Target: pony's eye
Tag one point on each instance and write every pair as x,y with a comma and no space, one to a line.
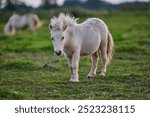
52,38
62,38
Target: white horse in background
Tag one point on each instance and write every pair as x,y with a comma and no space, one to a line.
75,40
17,22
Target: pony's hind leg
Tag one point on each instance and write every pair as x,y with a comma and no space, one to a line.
94,58
103,49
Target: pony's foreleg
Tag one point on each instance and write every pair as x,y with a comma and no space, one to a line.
103,49
94,58
70,64
74,67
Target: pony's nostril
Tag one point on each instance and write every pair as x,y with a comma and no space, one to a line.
58,52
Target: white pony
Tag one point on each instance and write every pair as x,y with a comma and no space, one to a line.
75,40
17,22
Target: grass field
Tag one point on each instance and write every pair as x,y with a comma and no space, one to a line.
30,70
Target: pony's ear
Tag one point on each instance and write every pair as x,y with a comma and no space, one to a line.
53,20
54,23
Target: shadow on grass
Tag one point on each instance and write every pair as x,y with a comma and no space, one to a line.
19,65
3,37
27,66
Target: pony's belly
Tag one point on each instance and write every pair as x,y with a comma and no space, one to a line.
85,53
88,50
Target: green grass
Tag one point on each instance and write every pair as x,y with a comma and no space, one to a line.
30,70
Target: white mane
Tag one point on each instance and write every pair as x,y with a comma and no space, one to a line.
63,21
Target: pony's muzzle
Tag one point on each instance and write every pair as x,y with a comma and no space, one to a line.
58,53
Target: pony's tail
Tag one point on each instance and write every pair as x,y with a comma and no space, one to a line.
110,46
37,22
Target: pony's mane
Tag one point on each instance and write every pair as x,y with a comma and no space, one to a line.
67,19
63,20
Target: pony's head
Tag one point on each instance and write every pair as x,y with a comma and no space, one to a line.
9,30
13,16
57,27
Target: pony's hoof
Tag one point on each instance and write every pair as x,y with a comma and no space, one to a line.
74,80
89,77
102,74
